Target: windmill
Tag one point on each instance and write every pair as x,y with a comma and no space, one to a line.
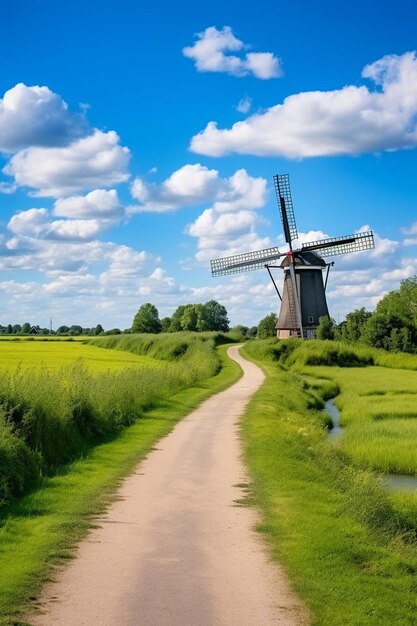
303,299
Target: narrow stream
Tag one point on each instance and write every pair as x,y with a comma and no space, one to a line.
394,482
334,413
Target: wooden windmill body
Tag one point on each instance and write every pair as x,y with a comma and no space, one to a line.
303,299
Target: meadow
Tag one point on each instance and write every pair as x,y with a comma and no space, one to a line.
53,354
347,541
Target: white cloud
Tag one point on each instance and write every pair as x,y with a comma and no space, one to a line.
99,203
221,234
36,116
215,225
410,241
85,283
97,160
211,54
7,188
244,105
351,120
195,184
30,222
410,230
35,223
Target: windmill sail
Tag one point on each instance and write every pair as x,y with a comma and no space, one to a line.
283,191
341,245
244,262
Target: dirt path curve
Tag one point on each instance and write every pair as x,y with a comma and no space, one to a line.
173,550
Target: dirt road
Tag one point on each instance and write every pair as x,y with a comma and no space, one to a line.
174,549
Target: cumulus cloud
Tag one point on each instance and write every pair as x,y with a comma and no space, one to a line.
97,160
211,53
351,120
85,283
229,225
99,203
35,223
36,116
195,184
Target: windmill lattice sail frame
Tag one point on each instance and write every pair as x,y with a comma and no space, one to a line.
244,262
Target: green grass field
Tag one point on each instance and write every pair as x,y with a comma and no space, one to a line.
54,354
347,542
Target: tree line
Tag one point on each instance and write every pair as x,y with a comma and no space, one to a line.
188,317
392,326
75,329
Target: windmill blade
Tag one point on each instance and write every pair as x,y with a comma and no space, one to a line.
341,245
283,191
244,262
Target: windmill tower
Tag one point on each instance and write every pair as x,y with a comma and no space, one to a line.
303,299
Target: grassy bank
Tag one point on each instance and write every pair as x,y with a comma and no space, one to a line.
348,545
41,528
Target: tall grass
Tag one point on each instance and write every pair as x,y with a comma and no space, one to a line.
48,418
300,353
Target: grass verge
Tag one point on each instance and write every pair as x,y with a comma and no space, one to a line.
334,528
40,530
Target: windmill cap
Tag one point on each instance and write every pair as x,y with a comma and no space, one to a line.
304,258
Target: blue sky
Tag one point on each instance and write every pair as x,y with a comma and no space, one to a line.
136,143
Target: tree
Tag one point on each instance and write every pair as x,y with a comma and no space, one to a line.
266,327
402,303
9,329
75,329
16,329
26,327
175,325
147,320
252,332
389,332
191,317
98,329
240,332
166,324
214,317
62,330
355,321
325,329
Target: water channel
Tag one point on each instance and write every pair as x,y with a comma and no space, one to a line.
393,482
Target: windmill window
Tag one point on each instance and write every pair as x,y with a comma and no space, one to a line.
310,319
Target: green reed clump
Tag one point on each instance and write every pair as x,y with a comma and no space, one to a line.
165,346
19,465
